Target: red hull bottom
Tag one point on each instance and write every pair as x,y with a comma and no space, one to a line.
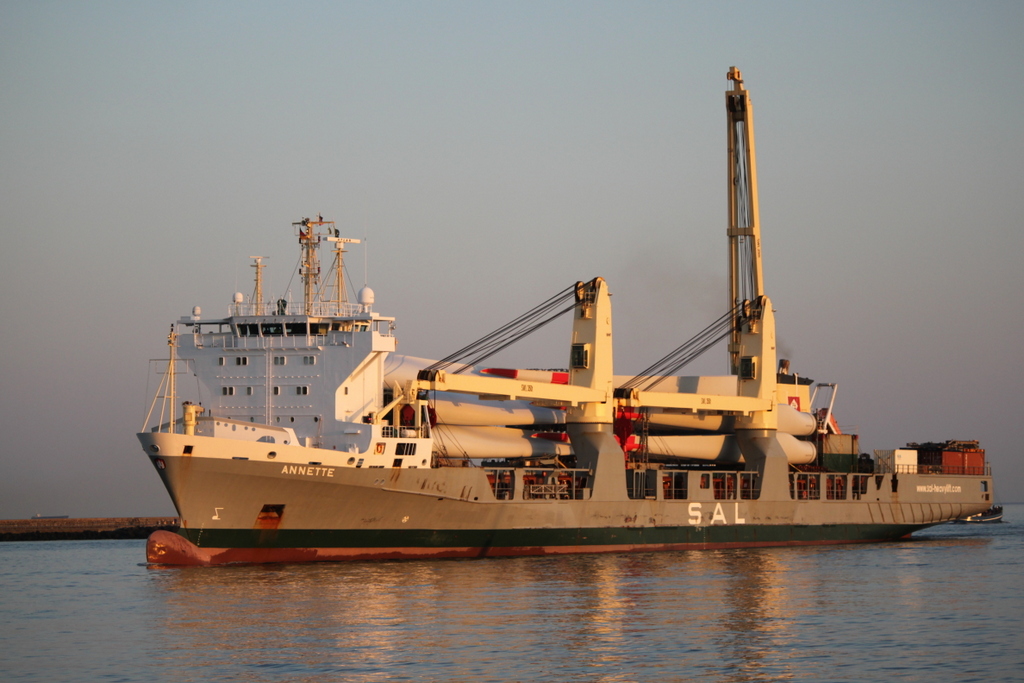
167,548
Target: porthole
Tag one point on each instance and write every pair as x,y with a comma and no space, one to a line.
351,461
271,455
153,447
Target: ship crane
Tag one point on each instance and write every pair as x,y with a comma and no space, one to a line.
752,347
746,279
590,397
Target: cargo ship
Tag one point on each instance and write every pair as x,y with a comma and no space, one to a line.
302,436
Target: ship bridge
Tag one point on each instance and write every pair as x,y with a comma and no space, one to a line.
248,327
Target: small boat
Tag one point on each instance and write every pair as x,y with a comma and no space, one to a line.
993,514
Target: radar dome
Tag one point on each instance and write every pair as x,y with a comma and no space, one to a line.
196,312
238,298
365,296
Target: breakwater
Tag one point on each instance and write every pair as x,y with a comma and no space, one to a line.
83,528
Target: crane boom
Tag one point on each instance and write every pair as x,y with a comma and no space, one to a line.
746,281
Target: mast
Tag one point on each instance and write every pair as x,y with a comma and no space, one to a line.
310,263
172,344
746,281
257,297
310,239
340,296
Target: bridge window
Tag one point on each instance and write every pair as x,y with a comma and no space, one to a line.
280,360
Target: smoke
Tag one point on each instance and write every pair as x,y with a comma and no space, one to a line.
660,300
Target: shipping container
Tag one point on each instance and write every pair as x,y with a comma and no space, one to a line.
953,462
840,443
898,460
905,460
840,462
975,461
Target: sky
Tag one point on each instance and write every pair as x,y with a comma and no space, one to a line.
491,154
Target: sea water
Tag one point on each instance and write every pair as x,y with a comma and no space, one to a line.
947,605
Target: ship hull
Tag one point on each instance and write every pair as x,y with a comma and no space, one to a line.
241,546
236,510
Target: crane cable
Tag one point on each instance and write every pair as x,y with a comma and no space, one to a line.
511,332
670,364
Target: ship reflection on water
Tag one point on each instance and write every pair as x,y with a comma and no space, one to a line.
732,615
86,610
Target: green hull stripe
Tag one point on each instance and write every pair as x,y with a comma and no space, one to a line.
529,538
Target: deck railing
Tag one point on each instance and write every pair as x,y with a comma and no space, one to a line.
977,471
